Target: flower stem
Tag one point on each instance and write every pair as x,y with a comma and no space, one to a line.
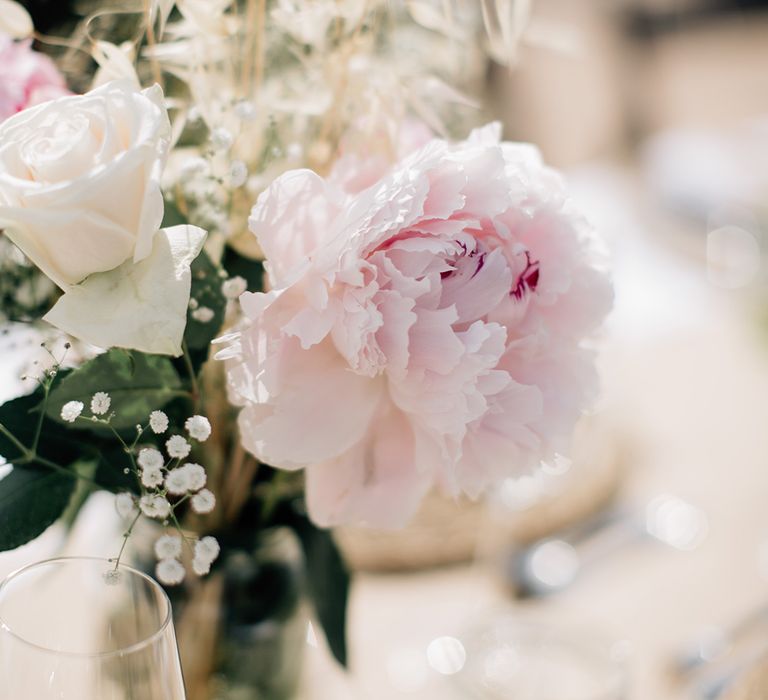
39,428
196,393
25,451
126,535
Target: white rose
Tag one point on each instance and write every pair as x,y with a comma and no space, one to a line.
79,179
80,195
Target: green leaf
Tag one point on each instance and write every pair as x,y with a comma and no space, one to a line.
20,417
137,384
172,216
30,501
206,292
110,471
252,271
327,584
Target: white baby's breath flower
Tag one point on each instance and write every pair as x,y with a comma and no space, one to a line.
154,506
203,314
158,421
71,411
234,287
125,505
222,139
168,547
196,476
193,303
177,482
207,548
203,502
294,151
177,447
198,428
238,173
246,111
150,459
151,478
100,403
201,566
194,166
170,572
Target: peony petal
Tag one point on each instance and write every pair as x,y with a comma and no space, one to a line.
291,219
375,483
478,285
432,341
141,306
317,409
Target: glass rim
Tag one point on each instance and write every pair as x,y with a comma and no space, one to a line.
123,651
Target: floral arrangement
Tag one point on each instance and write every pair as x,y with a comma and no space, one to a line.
289,296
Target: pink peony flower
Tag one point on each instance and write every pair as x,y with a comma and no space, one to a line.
27,77
427,330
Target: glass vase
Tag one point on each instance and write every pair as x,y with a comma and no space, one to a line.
242,630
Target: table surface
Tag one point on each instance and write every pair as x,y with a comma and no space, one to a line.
685,371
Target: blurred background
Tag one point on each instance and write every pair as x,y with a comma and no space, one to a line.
637,566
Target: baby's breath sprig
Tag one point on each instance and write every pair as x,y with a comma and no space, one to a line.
165,483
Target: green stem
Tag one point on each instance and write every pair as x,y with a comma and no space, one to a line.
25,451
63,470
41,417
189,541
196,393
126,535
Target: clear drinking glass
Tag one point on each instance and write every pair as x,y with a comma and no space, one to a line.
73,629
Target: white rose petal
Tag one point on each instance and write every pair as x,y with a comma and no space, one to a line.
203,502
100,403
196,475
207,548
177,482
150,458
170,572
158,421
177,447
198,428
87,167
140,306
155,506
71,411
125,505
168,547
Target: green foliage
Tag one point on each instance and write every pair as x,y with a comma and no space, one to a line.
110,471
172,216
327,584
20,417
206,292
33,496
136,382
31,499
252,271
